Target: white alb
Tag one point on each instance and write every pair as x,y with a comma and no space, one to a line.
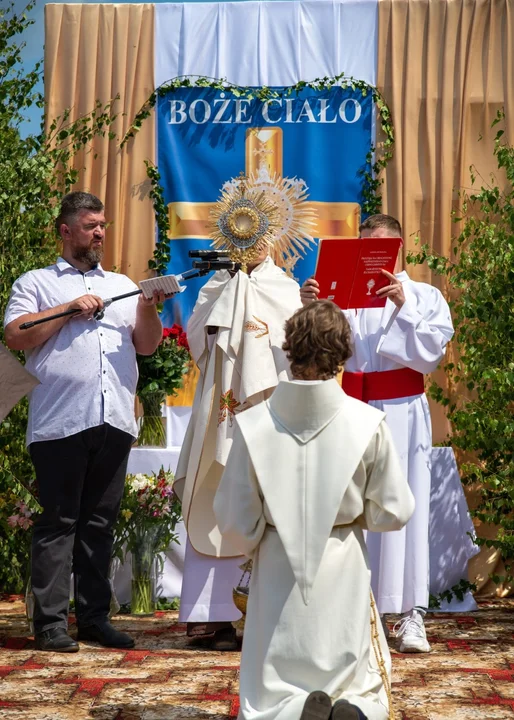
308,470
389,338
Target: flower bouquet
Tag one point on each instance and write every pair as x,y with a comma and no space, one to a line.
18,509
161,374
21,517
149,513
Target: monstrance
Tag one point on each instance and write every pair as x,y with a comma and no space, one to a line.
260,211
244,222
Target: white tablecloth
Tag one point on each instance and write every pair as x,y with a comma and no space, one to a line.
450,524
451,546
177,418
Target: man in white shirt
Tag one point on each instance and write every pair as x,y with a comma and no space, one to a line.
81,419
393,347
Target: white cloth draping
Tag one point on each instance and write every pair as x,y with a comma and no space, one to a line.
177,420
207,588
270,43
451,531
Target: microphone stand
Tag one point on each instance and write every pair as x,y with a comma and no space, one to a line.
98,315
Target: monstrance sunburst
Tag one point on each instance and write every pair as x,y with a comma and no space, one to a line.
294,221
245,220
297,219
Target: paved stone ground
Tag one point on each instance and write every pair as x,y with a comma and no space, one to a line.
468,676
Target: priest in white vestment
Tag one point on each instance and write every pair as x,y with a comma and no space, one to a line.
392,349
308,470
235,335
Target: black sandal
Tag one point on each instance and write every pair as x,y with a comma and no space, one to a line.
318,706
343,710
225,640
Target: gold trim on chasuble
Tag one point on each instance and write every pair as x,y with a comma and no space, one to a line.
228,407
193,488
260,328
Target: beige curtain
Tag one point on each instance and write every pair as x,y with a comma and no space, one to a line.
445,67
94,52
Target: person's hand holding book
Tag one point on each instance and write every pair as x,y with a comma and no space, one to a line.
309,291
393,291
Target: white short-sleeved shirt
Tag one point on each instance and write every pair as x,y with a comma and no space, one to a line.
87,370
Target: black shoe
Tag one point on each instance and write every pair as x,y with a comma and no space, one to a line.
56,640
225,639
343,710
318,706
103,632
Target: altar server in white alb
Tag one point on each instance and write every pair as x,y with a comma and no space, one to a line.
308,470
393,347
235,334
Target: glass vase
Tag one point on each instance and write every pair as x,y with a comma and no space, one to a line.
152,431
144,559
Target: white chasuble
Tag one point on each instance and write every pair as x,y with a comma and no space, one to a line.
243,367
308,470
241,362
389,338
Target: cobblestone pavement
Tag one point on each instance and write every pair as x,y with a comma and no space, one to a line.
469,675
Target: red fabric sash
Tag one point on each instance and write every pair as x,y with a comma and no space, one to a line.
386,385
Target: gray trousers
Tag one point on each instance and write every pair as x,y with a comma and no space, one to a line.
80,481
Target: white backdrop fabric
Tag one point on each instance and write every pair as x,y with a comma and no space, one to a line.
266,43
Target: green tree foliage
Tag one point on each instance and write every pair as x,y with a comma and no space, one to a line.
34,174
481,406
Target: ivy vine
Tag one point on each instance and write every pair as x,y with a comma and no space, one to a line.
162,252
376,159
457,591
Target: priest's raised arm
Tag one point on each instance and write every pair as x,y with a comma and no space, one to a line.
417,333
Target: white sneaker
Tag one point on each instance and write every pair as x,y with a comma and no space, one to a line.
410,630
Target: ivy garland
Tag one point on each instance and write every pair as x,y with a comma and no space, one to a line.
457,591
377,160
162,253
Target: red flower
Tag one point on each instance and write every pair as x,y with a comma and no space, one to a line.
182,340
171,332
176,332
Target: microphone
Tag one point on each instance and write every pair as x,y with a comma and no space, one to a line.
216,265
208,254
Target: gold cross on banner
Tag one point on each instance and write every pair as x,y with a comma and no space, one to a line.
263,146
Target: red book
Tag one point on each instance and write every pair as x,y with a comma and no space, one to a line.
349,270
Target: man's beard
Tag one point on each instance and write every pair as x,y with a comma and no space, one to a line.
88,255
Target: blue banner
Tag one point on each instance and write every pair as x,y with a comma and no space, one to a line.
319,139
